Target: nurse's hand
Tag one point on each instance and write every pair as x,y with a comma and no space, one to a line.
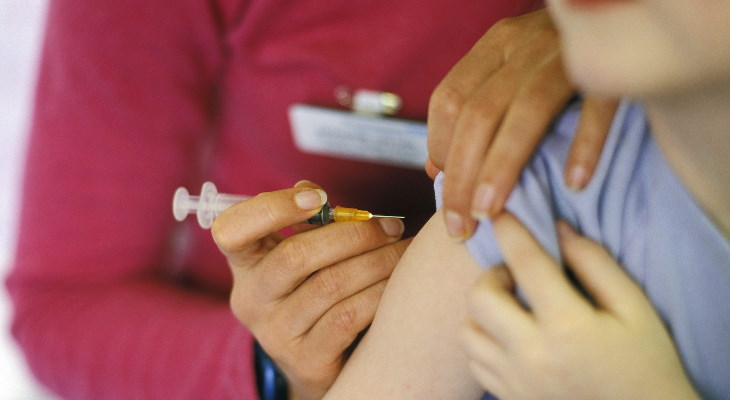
489,113
565,346
307,297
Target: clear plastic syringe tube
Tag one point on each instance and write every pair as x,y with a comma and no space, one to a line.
210,204
206,207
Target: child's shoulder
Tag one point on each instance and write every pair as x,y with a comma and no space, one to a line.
617,189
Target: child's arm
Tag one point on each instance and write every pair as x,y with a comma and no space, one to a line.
412,349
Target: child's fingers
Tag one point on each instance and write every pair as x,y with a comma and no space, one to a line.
480,345
537,275
489,380
486,357
604,280
494,307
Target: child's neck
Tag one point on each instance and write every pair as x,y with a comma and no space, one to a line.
693,132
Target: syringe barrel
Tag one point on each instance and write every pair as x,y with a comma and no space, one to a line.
223,201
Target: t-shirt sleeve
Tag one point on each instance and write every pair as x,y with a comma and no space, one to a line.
532,202
537,216
540,197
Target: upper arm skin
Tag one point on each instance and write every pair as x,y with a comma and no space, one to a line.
412,348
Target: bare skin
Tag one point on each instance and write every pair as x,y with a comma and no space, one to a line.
684,83
330,303
412,351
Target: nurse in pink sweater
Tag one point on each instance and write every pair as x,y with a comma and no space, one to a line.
113,298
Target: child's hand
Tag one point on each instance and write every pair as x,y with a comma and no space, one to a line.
564,346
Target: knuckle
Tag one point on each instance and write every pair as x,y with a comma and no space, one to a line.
282,263
330,282
506,33
476,108
532,27
358,235
382,261
291,254
505,27
479,115
541,97
446,100
547,33
346,317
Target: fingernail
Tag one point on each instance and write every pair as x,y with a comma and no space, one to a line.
391,226
310,199
455,226
483,200
303,182
576,178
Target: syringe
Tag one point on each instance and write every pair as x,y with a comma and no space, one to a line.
337,214
210,204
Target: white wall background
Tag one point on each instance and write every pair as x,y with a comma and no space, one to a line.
21,27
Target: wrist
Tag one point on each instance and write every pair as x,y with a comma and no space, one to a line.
269,380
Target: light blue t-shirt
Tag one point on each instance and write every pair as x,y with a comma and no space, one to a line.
639,210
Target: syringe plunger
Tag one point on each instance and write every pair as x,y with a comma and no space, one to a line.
207,206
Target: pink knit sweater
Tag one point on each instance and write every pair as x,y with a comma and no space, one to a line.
113,298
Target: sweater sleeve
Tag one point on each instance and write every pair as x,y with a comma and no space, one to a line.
125,101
